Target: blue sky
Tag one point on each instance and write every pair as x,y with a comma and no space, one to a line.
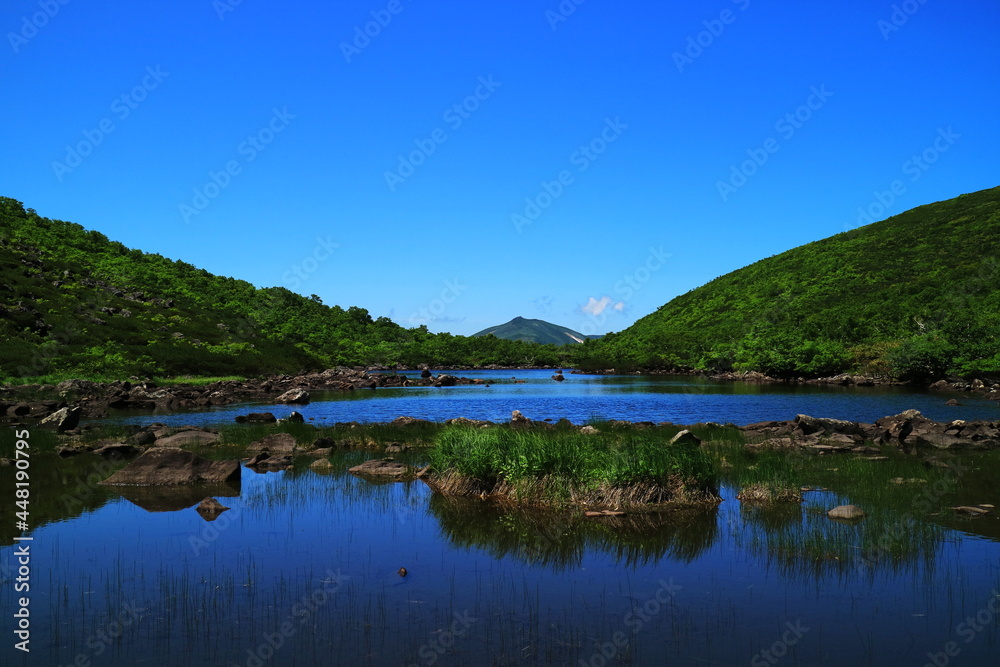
464,163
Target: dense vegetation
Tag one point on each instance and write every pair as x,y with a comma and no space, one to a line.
73,303
563,465
916,296
534,331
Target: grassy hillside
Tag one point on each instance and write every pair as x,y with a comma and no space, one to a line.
73,303
915,296
534,331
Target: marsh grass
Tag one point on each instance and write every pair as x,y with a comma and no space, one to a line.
563,467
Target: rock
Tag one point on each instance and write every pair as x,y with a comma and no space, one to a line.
258,459
807,425
445,381
382,468
295,418
117,452
324,443
558,377
277,443
971,511
849,512
426,374
294,396
588,430
67,452
169,466
210,509
188,439
908,480
395,448
321,465
952,402
912,430
685,437
462,421
63,420
410,421
257,418
141,439
517,419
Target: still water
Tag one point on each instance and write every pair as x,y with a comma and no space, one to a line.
304,569
677,399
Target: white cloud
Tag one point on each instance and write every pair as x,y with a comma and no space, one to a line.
595,307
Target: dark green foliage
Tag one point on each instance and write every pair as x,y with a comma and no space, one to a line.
915,296
73,303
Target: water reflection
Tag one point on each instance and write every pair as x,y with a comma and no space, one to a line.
560,540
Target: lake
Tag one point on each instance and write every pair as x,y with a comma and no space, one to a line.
304,569
678,399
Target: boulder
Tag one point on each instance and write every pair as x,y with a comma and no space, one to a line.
277,443
382,468
848,512
588,430
445,381
685,437
141,439
807,425
911,430
63,420
188,439
171,466
117,452
295,418
409,421
294,397
518,419
952,402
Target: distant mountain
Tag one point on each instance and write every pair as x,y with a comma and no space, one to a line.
535,331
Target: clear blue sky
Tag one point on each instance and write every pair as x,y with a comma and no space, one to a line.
309,118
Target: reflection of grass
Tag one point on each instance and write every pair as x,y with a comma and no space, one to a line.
898,526
618,469
560,539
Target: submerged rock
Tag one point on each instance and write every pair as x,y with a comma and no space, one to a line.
210,509
849,512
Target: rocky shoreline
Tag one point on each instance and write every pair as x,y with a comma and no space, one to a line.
979,388
94,399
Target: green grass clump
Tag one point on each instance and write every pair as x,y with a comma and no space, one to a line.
618,468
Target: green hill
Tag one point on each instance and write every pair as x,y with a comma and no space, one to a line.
916,296
74,303
534,331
